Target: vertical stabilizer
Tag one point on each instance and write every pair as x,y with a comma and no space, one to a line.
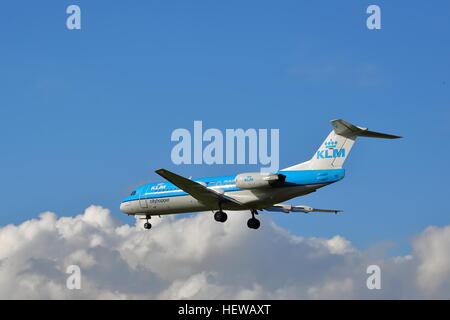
336,147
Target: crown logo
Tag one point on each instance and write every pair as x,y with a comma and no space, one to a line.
330,144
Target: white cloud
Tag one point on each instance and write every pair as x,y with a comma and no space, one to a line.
433,253
332,289
198,258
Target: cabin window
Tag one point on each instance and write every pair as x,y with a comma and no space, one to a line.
133,193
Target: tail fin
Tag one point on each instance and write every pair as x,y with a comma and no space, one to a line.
336,147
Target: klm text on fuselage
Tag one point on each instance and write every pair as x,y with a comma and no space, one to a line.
328,153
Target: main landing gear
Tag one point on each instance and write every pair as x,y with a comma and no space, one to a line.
253,223
220,216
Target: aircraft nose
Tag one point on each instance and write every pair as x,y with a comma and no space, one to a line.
125,207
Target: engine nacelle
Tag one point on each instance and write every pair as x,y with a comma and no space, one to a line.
254,180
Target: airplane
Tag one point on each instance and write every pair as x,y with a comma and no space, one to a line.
254,191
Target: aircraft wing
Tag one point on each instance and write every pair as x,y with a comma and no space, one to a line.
288,208
197,190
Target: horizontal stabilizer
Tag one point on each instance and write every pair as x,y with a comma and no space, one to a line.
305,209
346,129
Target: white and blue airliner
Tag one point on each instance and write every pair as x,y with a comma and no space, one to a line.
250,191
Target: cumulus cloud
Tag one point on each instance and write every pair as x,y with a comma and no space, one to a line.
432,251
198,258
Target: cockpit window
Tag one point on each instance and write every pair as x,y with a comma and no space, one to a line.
133,193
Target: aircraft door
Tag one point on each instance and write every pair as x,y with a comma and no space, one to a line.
142,200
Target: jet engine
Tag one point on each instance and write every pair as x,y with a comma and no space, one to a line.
255,180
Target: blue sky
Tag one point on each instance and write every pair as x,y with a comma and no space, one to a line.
86,115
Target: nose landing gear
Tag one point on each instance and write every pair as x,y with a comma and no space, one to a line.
147,225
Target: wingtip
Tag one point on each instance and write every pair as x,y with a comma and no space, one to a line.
391,136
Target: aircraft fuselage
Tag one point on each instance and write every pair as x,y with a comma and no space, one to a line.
165,198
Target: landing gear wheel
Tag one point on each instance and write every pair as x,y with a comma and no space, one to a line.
220,216
253,223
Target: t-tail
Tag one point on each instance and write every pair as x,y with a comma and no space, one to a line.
336,147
